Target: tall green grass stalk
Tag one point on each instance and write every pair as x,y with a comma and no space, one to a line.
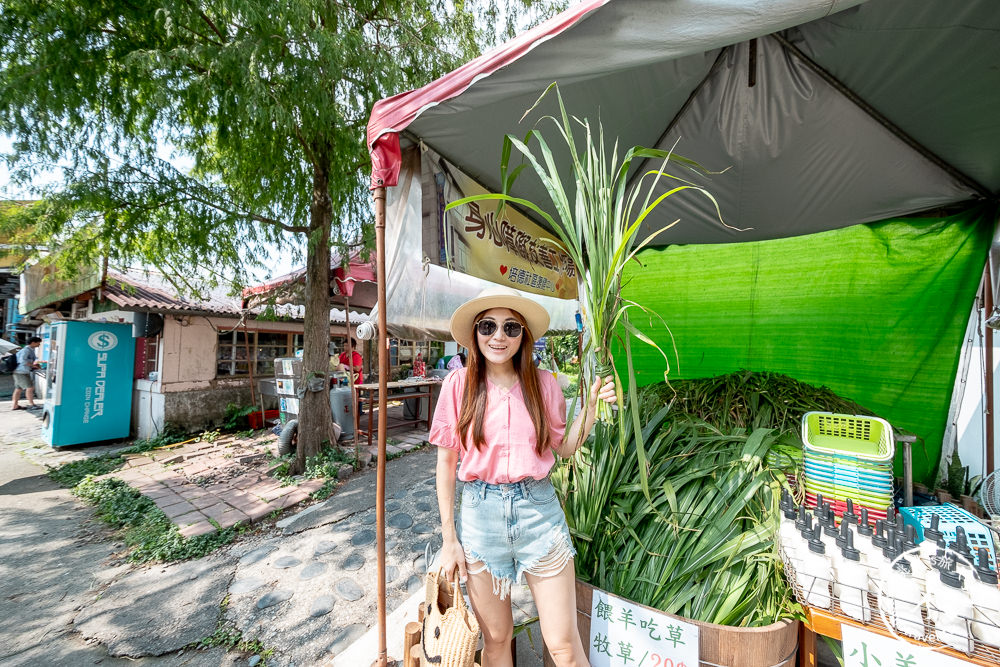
596,217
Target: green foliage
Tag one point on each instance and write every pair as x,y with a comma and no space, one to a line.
72,473
209,436
325,491
702,544
236,416
563,349
596,213
146,529
324,465
231,638
168,436
957,473
241,91
264,105
958,482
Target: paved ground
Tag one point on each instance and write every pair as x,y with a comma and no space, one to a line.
305,586
202,486
54,558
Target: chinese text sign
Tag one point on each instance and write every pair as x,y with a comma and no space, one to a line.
867,649
623,634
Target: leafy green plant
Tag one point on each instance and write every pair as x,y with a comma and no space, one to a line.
145,528
231,638
702,544
324,465
235,416
597,217
209,436
957,474
325,491
72,473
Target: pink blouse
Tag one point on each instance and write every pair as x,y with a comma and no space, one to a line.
509,452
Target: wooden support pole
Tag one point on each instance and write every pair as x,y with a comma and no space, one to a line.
383,378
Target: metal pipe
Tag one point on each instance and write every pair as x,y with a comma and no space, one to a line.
383,379
350,376
988,366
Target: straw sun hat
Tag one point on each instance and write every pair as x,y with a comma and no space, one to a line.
497,297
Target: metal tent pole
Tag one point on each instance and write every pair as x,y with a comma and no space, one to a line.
383,378
350,375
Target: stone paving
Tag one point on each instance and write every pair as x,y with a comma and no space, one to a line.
305,587
203,486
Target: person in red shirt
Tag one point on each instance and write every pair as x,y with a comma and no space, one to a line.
356,364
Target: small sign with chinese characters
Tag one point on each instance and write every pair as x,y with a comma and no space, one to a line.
867,649
624,634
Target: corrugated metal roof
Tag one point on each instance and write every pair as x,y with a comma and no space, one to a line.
150,291
135,292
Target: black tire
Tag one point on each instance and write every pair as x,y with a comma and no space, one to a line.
288,441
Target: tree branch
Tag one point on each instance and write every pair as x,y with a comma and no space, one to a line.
204,17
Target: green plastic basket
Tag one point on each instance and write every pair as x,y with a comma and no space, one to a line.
867,438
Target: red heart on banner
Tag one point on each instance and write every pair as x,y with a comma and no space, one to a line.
503,270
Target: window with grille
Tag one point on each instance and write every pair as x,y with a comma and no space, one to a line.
238,349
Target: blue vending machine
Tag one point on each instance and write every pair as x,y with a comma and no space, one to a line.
89,383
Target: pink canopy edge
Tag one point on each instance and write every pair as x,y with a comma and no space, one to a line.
357,271
394,114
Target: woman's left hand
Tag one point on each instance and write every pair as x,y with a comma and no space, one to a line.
603,389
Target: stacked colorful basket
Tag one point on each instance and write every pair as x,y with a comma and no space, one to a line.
848,456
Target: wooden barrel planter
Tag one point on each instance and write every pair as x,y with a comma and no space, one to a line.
773,645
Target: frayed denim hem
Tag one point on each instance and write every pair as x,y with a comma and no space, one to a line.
558,552
501,585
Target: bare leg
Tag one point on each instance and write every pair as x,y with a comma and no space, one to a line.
555,598
29,394
495,619
16,397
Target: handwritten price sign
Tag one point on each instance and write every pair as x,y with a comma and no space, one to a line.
623,634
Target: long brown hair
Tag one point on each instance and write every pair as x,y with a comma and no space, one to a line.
473,410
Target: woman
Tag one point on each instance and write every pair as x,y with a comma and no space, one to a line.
506,418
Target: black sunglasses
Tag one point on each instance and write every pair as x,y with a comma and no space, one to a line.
488,327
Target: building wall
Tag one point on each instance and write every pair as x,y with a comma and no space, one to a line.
187,393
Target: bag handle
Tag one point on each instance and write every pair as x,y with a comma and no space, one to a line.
456,594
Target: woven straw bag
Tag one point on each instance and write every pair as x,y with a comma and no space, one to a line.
451,632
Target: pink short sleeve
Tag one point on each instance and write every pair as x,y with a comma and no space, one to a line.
555,406
446,412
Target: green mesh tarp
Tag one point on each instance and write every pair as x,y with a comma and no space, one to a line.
875,312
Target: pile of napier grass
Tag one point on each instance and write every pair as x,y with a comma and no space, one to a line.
703,544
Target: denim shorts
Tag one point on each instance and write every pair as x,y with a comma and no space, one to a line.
512,529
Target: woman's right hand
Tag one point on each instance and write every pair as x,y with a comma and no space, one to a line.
452,556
